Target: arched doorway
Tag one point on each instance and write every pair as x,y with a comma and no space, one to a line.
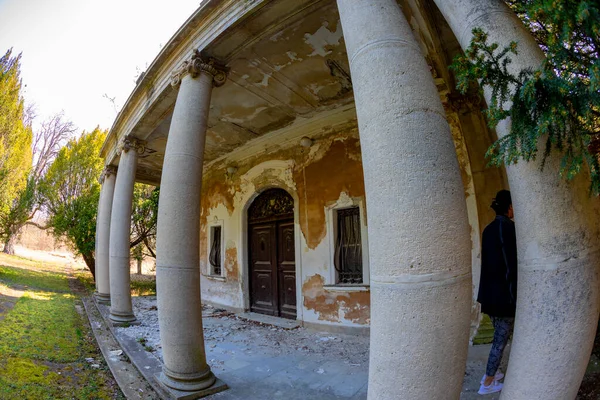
272,256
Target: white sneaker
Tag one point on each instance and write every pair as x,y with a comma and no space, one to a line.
498,377
494,387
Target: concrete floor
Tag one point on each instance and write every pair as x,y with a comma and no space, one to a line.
261,361
307,377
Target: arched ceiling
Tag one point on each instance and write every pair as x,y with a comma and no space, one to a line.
287,63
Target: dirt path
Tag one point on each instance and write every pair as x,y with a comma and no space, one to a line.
8,297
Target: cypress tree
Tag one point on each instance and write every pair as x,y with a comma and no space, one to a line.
15,136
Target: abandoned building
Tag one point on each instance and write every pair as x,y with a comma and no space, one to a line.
316,163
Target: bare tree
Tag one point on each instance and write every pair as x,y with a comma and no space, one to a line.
47,141
29,114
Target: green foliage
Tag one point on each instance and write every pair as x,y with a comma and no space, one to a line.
553,108
143,220
75,170
71,190
485,332
76,221
568,31
19,211
15,136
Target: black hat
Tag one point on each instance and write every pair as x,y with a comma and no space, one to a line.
502,202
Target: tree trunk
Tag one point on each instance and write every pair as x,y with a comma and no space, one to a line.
13,234
139,267
90,262
9,244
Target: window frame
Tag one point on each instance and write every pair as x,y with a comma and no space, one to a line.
210,237
343,203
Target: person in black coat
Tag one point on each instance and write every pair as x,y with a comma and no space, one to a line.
498,285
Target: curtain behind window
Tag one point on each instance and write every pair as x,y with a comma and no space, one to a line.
215,250
348,248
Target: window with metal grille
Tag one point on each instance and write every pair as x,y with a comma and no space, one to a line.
214,257
348,247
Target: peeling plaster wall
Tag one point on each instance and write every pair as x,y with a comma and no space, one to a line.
335,306
316,177
329,171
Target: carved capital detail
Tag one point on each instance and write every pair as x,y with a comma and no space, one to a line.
196,64
133,143
106,172
463,103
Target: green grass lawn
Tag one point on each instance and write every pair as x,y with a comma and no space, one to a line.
485,333
141,285
44,340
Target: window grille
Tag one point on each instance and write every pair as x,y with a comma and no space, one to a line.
215,250
348,247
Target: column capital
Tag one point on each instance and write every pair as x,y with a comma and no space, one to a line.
457,102
107,171
195,64
132,143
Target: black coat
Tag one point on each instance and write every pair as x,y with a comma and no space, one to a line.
498,285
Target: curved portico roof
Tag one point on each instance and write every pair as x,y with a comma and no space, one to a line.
287,64
153,98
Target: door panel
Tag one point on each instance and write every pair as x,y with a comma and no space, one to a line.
286,262
263,280
272,256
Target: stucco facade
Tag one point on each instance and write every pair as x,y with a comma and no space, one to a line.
319,178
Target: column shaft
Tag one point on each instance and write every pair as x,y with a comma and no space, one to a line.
96,267
120,226
178,238
557,239
103,237
419,244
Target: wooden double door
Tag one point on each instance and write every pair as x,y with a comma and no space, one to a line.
272,261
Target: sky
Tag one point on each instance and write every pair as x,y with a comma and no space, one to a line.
76,52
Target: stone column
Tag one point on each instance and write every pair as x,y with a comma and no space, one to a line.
419,244
178,231
120,230
557,239
103,234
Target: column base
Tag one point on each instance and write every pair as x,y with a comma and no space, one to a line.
189,393
123,318
102,298
187,382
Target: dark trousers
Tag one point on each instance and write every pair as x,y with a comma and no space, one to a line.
503,328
